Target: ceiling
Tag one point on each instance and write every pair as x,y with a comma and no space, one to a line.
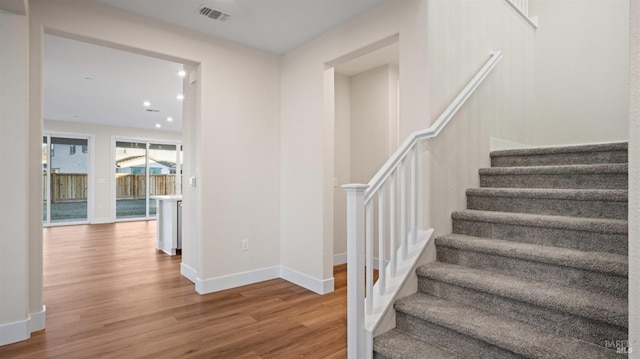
276,26
94,84
88,83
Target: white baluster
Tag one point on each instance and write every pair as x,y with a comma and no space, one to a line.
356,336
403,208
382,276
369,259
414,195
393,218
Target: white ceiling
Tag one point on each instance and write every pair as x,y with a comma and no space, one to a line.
88,83
94,84
273,25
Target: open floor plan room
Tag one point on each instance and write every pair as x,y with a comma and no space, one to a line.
110,294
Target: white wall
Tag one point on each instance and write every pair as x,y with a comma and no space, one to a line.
233,148
500,107
581,68
342,165
102,136
18,301
373,95
306,159
634,178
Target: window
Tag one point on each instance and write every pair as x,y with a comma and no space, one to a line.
65,180
144,169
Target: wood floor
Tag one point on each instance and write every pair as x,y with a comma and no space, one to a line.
109,294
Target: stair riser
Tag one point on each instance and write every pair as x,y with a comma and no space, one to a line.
545,318
464,345
549,273
560,159
559,181
563,207
586,241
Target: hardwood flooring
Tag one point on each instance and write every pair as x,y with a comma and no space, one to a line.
109,294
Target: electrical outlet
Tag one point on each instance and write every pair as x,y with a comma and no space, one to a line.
245,244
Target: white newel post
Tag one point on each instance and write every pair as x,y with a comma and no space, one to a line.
356,336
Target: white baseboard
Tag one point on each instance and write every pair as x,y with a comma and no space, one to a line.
101,220
38,320
21,330
236,280
14,332
340,258
189,273
313,284
212,285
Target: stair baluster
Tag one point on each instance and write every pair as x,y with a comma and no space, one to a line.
367,303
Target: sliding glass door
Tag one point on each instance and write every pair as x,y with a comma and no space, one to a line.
131,180
162,172
144,169
65,172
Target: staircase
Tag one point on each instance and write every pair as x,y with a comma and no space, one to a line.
536,267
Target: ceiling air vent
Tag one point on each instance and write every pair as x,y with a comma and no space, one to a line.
213,14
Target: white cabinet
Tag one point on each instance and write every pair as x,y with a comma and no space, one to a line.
169,224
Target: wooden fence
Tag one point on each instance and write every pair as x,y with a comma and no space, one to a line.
132,186
69,187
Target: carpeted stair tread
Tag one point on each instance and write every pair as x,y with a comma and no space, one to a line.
565,155
515,336
588,176
557,170
587,203
608,263
599,225
614,146
614,195
578,302
395,344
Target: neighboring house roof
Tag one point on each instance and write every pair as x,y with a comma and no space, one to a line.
134,160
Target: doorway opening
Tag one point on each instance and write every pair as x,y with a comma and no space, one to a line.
131,106
366,96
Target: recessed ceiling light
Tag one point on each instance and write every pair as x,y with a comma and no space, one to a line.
146,104
182,73
180,96
169,119
158,125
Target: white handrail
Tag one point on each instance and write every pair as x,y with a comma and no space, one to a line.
434,129
364,312
521,8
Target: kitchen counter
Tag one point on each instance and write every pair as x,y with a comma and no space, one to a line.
169,223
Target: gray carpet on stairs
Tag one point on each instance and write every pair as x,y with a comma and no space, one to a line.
536,267
548,156
598,176
591,203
